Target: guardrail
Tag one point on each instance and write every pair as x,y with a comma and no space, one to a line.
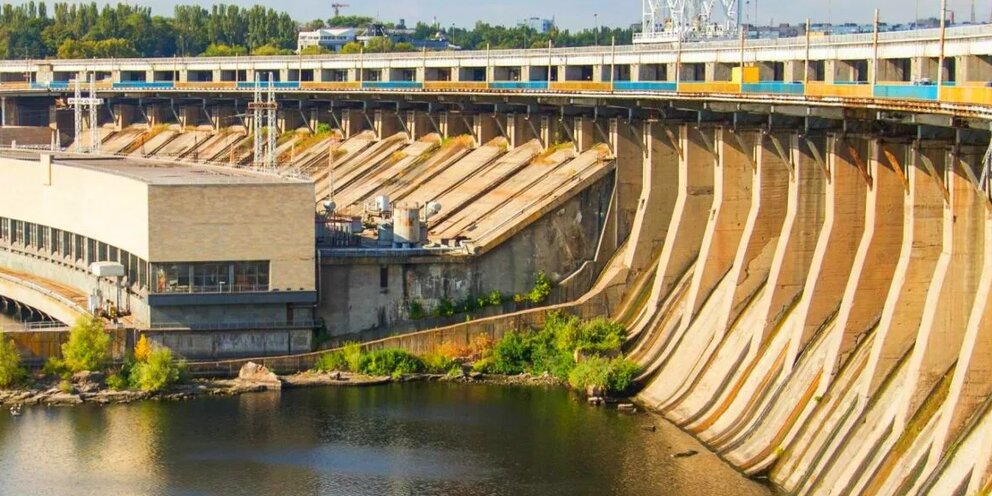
970,92
236,326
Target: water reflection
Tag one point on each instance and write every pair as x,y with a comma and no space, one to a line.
399,439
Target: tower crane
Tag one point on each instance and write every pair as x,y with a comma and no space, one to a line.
337,8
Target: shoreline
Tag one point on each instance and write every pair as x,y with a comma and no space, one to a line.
49,394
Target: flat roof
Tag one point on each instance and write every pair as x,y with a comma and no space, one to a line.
158,171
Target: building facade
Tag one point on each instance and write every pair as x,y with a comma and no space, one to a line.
203,248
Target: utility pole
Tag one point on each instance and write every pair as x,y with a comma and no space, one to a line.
270,157
94,116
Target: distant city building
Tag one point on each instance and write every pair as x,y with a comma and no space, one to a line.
330,38
542,26
401,34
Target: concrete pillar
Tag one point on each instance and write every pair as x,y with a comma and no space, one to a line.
731,208
716,71
222,116
124,115
794,71
659,185
158,114
753,261
952,291
353,121
629,152
421,124
519,130
9,114
924,67
972,68
800,230
455,124
485,128
874,263
585,133
972,381
894,70
183,75
386,123
840,235
692,208
190,115
922,226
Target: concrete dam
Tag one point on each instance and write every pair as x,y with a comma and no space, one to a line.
804,275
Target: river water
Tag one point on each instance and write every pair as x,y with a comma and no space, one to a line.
400,439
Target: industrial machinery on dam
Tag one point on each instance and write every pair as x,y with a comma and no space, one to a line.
797,234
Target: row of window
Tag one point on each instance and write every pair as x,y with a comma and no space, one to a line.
194,277
61,245
211,277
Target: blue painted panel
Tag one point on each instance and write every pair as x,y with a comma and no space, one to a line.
916,92
774,88
519,85
392,85
279,85
644,85
142,85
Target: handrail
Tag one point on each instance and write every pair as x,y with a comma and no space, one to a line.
240,325
41,289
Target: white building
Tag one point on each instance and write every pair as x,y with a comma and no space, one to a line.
537,24
330,38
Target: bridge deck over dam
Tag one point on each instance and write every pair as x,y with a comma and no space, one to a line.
801,254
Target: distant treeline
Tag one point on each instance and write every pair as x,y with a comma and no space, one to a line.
79,30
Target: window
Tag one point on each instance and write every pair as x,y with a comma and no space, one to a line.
210,277
384,277
4,229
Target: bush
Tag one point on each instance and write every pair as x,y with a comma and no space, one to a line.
330,362
55,366
598,335
614,376
541,290
494,298
157,373
353,356
142,349
621,376
592,372
65,386
87,345
511,355
10,363
436,363
391,362
117,381
415,310
444,308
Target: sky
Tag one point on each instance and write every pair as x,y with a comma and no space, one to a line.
573,14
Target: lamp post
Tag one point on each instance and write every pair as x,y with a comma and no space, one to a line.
595,21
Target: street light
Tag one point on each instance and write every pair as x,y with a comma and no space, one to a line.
595,18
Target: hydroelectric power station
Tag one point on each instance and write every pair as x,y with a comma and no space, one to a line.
797,233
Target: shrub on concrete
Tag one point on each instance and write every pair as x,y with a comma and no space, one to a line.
511,355
156,373
87,346
541,290
10,363
353,356
117,381
391,362
612,376
333,361
437,363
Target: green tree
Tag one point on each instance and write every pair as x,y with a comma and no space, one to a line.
88,345
10,362
266,50
315,50
222,50
112,48
351,48
156,373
